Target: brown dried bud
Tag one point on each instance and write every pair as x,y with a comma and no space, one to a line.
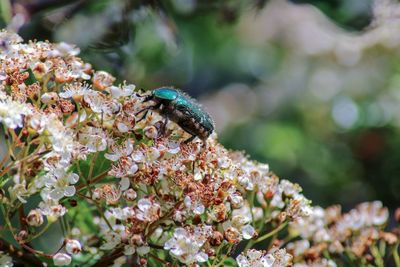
73,202
220,212
232,235
216,238
196,219
66,106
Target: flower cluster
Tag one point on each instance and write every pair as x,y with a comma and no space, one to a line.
74,138
126,188
256,258
328,232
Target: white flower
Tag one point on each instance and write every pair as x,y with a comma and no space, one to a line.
12,113
298,247
61,259
196,207
120,151
73,246
256,258
112,240
95,139
74,89
148,210
52,210
5,260
61,183
121,91
19,191
186,246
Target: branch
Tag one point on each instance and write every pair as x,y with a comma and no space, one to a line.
23,255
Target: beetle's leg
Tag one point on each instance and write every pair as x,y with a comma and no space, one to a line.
144,116
164,126
146,110
190,139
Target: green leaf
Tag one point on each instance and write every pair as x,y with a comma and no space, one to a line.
31,79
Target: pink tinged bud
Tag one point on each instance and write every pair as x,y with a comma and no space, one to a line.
151,132
73,246
35,218
61,259
130,194
49,98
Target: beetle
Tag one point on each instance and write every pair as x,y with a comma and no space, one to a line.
178,107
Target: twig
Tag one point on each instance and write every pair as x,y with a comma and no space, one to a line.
25,256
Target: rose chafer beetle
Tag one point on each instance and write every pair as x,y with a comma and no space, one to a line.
176,106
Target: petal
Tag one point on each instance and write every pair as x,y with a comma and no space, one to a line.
69,191
73,178
112,157
57,194
201,257
129,250
124,184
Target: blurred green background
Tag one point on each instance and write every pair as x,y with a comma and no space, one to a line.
310,87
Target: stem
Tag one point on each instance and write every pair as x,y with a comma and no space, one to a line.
95,179
25,256
158,259
396,255
251,202
106,260
276,230
378,258
267,235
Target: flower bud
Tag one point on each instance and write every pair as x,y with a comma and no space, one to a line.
232,235
22,236
216,238
130,194
150,132
61,259
49,98
35,218
73,246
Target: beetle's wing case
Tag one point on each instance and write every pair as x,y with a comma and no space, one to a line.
189,106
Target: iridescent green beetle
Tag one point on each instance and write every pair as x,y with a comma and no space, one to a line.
174,105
